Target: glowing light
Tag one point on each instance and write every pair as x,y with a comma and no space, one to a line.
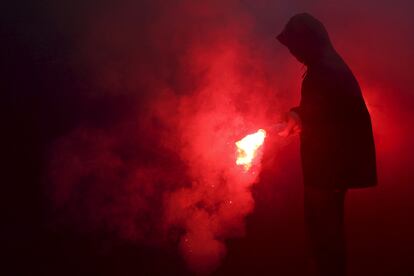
247,148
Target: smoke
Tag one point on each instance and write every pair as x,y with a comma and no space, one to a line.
164,89
164,171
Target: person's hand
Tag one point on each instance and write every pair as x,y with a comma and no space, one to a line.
293,126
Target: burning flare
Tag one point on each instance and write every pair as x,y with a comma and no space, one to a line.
247,148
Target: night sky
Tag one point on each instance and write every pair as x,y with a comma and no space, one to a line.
120,118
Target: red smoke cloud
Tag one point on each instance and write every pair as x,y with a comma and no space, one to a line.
167,171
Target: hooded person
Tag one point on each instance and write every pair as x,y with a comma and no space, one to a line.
336,140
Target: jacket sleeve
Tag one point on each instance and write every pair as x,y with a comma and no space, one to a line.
333,99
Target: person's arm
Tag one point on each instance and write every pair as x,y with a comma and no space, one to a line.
329,101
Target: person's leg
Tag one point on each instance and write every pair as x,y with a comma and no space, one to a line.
324,218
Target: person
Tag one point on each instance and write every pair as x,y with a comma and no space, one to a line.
336,140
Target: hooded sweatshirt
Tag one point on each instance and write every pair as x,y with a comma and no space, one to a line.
337,145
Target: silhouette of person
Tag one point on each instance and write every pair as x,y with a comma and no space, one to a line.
336,141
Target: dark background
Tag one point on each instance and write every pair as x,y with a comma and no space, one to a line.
46,86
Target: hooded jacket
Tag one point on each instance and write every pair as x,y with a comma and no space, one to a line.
337,145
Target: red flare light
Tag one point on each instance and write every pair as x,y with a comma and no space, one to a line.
247,148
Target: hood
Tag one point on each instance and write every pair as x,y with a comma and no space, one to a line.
306,38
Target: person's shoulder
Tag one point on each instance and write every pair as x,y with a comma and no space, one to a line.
332,65
332,69
334,72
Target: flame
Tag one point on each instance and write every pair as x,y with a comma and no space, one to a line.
247,148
